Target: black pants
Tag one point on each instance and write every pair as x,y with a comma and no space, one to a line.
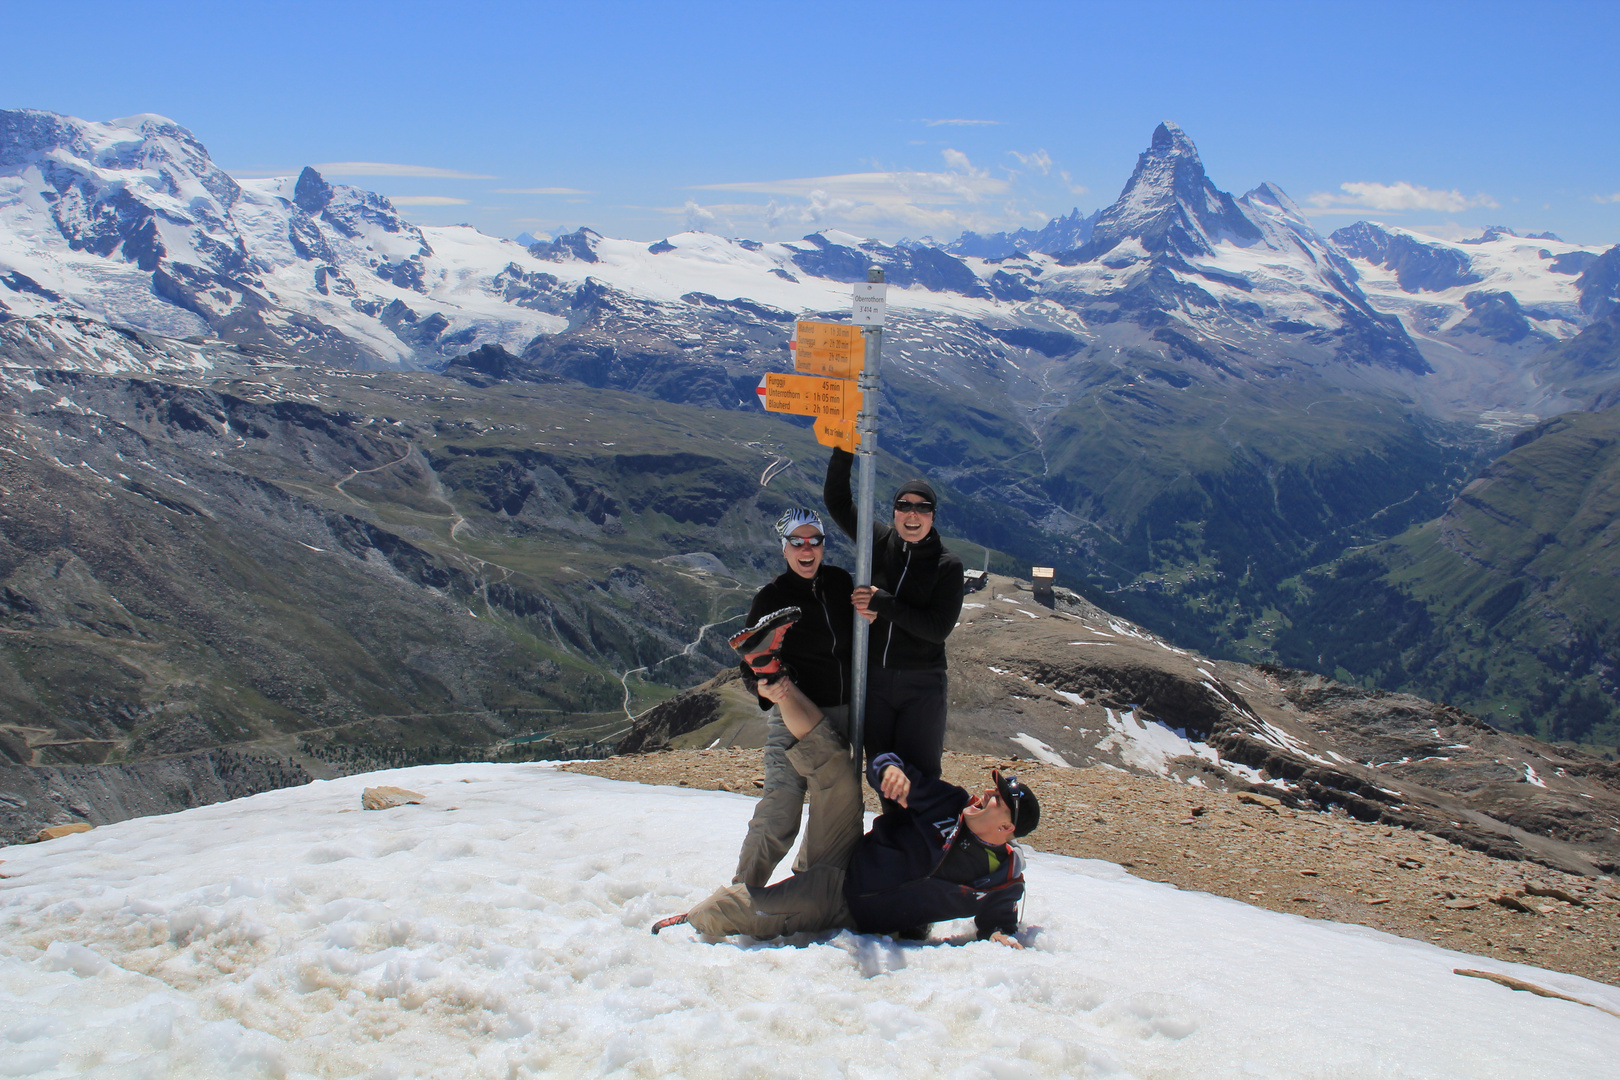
905,715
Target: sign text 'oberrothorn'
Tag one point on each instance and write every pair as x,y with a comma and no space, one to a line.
871,303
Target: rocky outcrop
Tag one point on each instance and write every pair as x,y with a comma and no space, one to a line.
1418,267
682,714
36,797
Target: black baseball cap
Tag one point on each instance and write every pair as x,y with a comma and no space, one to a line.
1019,801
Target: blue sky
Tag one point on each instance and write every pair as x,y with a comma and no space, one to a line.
771,120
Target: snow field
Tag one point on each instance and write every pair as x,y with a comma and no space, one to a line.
500,930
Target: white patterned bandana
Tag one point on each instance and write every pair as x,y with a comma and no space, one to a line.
792,519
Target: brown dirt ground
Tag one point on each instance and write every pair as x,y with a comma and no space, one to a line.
1318,865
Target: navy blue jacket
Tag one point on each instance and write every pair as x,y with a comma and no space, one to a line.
891,884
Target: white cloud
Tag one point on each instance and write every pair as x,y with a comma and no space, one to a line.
960,123
698,218
933,202
1040,161
425,200
383,168
1074,188
961,185
540,191
1615,198
1395,198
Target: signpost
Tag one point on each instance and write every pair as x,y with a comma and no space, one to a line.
870,308
838,385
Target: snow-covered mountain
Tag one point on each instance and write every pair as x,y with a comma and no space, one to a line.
1499,285
1482,310
1223,280
83,344
1058,235
129,222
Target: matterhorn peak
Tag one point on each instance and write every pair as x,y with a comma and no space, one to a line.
1170,139
312,192
1168,204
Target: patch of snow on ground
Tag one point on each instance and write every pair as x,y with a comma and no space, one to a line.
1247,772
1040,750
499,929
1070,696
1152,744
1531,777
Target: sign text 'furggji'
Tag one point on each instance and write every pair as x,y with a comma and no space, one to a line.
811,395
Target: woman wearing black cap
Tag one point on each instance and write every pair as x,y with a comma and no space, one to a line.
916,596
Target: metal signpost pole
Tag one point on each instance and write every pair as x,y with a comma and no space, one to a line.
866,426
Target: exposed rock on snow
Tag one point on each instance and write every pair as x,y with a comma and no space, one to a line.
386,797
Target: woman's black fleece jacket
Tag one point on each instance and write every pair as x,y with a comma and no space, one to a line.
919,585
817,647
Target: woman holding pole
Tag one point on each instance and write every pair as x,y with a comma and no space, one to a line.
913,603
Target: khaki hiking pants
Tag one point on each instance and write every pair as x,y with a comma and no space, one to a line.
812,899
775,824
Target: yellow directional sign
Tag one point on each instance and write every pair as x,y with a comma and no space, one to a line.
810,395
837,350
839,433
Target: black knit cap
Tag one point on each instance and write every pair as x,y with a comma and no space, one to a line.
916,487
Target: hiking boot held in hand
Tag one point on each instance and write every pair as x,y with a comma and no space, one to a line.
760,644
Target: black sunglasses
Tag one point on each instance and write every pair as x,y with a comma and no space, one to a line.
1014,791
801,541
902,506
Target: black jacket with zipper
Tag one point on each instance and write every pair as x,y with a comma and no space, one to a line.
817,647
896,876
919,585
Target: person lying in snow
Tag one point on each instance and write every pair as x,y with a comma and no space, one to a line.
935,853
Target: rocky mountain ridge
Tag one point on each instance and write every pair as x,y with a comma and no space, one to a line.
1506,600
1074,687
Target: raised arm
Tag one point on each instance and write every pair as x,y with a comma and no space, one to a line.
836,494
930,799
